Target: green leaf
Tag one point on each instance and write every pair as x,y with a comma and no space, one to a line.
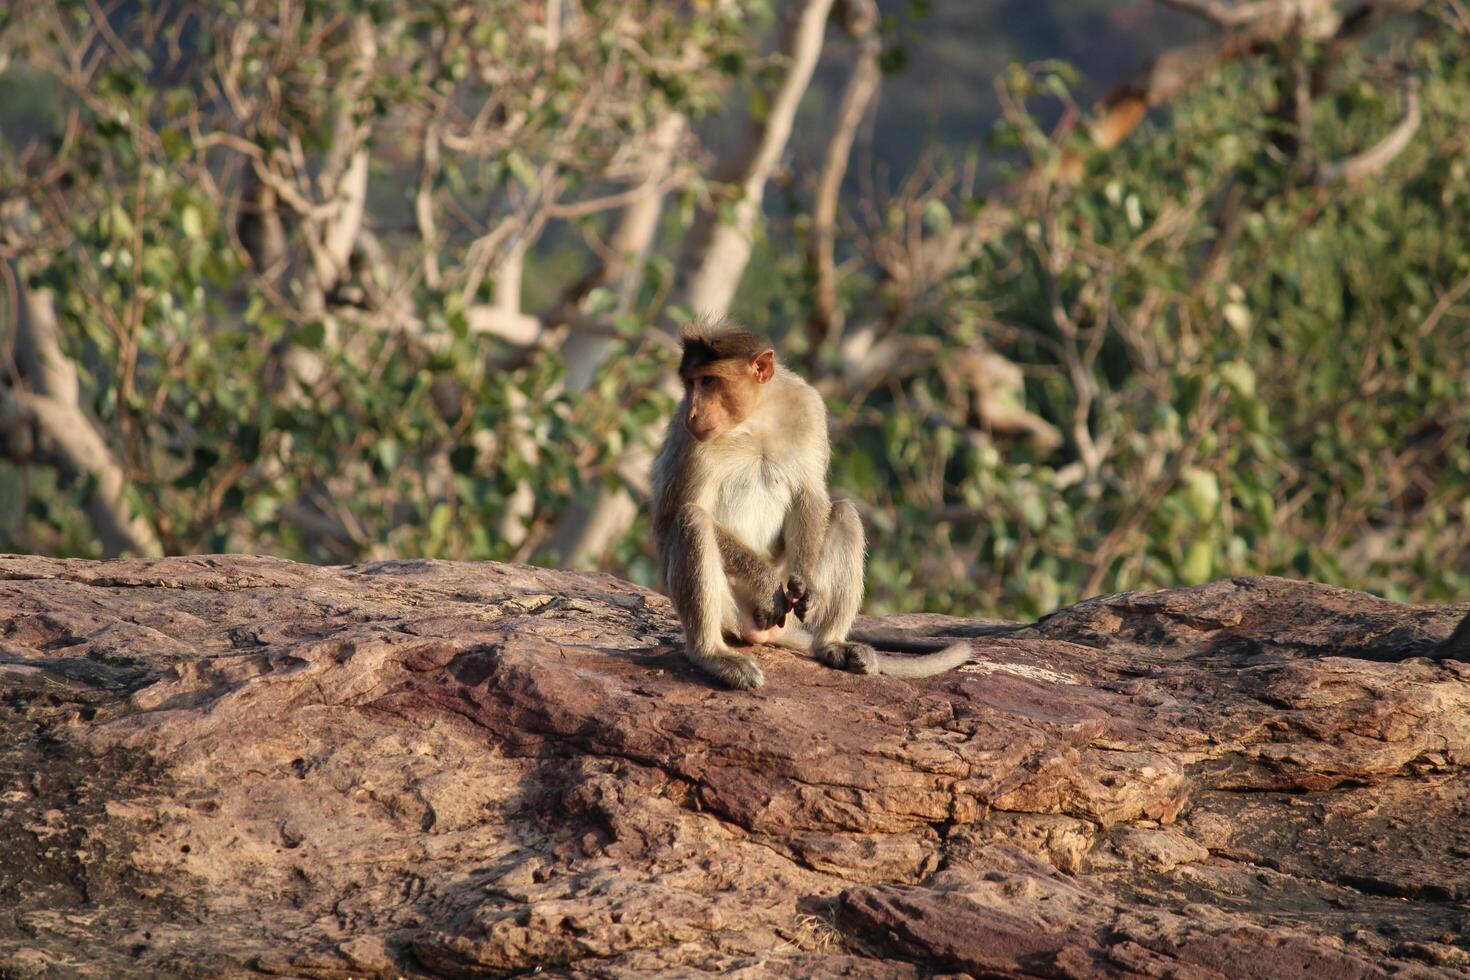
1199,562
176,145
390,454
313,335
600,301
936,216
192,222
1202,492
439,519
1239,378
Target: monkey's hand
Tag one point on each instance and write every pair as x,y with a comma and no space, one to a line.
770,615
800,597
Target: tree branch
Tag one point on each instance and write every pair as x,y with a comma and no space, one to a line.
718,246
1227,14
861,17
1372,161
50,404
627,249
1172,74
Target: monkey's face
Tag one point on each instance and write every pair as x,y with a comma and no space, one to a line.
721,394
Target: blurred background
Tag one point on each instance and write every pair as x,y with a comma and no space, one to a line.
1102,294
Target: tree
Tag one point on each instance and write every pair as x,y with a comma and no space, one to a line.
355,280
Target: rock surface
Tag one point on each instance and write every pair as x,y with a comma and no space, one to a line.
235,766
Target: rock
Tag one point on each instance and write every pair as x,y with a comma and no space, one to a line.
1157,850
241,766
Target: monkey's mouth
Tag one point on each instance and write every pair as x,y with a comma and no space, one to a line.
702,435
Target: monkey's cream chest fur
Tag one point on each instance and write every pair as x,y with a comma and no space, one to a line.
751,501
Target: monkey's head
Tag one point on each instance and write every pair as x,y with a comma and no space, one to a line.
723,370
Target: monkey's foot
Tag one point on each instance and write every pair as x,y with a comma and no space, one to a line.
737,670
856,658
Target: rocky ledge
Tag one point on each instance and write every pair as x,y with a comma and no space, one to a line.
236,766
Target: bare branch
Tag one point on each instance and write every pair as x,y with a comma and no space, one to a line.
553,26
1443,306
718,246
423,205
622,264
1372,161
340,233
345,171
1228,14
581,209
1172,74
862,86
512,326
50,403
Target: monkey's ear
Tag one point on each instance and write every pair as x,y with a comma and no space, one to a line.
763,366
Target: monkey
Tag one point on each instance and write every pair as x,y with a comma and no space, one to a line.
744,526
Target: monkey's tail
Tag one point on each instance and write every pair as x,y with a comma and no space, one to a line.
934,656
1456,646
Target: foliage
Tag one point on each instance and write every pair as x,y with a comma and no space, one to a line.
1251,370
400,433
1271,373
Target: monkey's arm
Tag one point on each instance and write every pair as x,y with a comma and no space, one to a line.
672,484
805,527
746,569
754,576
801,538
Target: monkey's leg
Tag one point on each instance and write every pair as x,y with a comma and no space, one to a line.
703,600
838,585
830,603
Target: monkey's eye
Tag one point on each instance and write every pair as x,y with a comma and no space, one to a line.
707,382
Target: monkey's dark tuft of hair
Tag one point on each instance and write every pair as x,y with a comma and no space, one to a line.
707,340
